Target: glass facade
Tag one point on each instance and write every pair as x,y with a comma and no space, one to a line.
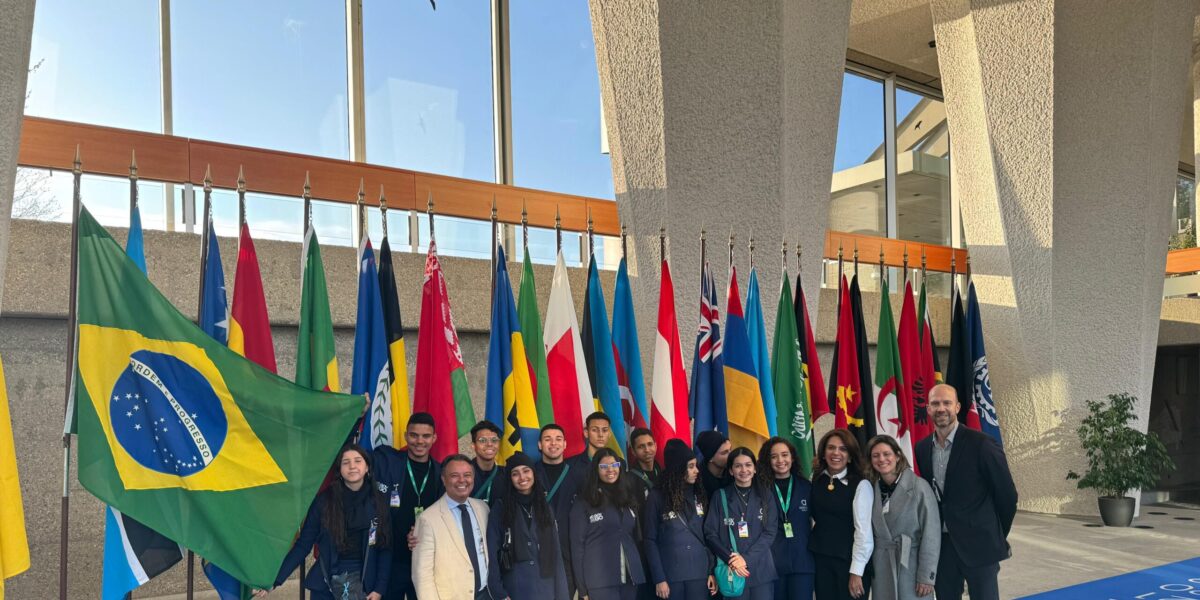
1184,224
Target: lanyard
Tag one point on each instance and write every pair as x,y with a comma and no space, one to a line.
561,477
642,474
782,503
485,491
418,490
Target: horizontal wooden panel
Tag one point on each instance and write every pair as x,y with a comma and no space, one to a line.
51,144
1183,261
937,258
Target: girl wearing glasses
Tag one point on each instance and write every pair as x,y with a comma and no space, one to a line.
740,526
604,552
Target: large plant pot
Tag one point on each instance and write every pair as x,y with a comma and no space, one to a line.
1117,512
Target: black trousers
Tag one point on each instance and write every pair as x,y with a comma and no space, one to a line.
400,586
624,591
797,586
692,589
952,573
832,579
765,591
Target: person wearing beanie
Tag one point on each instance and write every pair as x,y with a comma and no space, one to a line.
714,453
523,538
673,526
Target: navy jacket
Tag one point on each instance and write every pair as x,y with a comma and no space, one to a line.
524,581
389,469
377,561
500,483
763,521
598,535
674,544
791,554
979,501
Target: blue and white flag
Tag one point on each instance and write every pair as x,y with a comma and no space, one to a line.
981,386
707,400
371,373
214,305
756,330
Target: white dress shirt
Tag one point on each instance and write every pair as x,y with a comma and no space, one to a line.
483,563
864,537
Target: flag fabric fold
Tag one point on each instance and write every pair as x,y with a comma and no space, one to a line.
706,401
814,381
509,401
793,419
917,373
440,382
316,352
397,360
628,356
669,417
600,360
756,331
844,376
14,543
743,395
214,303
371,372
168,417
981,383
566,367
866,415
535,345
892,406
960,370
249,326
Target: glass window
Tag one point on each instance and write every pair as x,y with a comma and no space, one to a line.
858,199
46,196
96,62
556,100
1185,213
922,169
428,80
268,74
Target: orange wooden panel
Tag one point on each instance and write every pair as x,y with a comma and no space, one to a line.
1183,261
473,199
938,258
50,144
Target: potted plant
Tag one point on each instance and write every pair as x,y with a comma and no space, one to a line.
1120,458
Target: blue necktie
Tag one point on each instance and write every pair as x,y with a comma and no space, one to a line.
469,539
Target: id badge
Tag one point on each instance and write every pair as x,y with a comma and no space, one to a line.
743,529
394,501
787,529
371,536
699,509
417,510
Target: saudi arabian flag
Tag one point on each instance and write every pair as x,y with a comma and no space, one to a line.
535,349
184,435
791,388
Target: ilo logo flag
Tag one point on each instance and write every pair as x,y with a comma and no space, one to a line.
168,416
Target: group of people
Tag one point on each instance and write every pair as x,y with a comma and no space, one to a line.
396,525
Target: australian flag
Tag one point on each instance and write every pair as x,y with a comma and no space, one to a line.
981,385
707,399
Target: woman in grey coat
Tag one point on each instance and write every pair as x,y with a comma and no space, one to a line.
908,531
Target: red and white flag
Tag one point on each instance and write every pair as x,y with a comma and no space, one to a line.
570,388
669,416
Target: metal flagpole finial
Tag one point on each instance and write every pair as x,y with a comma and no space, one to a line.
750,246
591,234
922,266
783,253
731,246
207,178
799,263
840,250
306,195
558,228
662,243
241,180
856,258
77,166
133,165
494,213
881,258
905,263
624,241
429,211
307,186
382,210
524,225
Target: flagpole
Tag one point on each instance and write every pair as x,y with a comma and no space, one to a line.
624,241
882,274
306,195
382,208
906,264
72,332
524,227
558,229
841,272
133,189
703,251
730,249
591,236
751,248
360,213
241,192
662,244
429,212
207,210
856,259
495,245
783,264
953,278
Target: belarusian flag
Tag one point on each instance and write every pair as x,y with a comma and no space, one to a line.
316,354
185,436
440,386
535,347
892,413
249,327
565,365
401,404
793,421
669,389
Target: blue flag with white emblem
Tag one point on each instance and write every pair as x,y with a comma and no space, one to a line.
371,373
981,386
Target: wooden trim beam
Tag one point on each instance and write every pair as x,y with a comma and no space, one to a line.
937,258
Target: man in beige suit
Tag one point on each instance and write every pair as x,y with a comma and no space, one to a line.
450,560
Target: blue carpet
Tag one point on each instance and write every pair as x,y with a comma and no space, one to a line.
1179,580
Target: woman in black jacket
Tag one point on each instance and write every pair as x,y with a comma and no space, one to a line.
526,563
604,552
841,501
745,512
673,524
348,523
793,562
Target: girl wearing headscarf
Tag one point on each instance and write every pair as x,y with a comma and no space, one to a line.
526,563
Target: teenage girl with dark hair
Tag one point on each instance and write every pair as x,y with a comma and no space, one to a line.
604,551
526,563
348,522
745,512
778,465
673,522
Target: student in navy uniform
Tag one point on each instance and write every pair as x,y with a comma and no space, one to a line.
746,509
642,450
411,482
840,502
673,521
348,523
561,481
597,429
491,480
714,456
604,552
526,562
793,562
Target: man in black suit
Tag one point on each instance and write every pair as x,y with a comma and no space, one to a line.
977,498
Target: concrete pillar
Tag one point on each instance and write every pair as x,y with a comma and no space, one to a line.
16,32
1065,119
720,116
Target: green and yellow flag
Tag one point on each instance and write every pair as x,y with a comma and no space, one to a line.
184,435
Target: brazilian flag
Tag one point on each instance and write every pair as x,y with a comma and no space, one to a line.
185,436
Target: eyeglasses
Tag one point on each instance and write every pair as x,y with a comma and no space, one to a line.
487,440
604,467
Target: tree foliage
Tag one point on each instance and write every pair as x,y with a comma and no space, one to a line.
1120,458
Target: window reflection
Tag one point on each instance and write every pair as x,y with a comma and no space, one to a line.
922,169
